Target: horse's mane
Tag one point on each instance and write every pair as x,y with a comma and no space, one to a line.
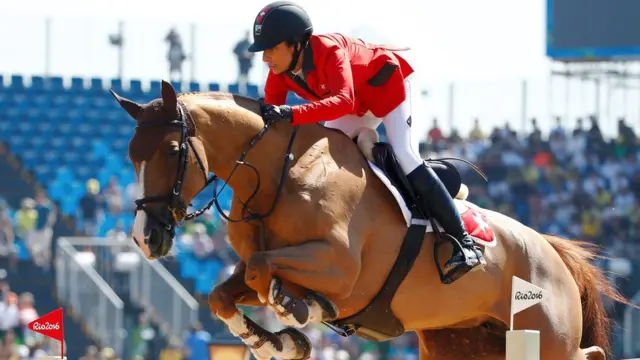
244,102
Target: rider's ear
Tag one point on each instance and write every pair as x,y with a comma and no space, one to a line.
131,107
169,97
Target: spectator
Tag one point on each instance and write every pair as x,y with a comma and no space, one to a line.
176,55
90,207
9,347
113,196
245,59
197,343
7,239
26,218
39,242
91,354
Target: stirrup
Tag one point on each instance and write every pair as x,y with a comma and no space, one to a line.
473,258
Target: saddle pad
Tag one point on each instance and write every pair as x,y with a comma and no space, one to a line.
475,222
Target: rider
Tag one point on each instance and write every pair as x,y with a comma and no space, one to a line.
352,84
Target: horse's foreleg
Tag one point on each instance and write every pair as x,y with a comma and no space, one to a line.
286,344
323,269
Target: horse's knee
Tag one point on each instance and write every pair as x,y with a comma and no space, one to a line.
221,304
258,273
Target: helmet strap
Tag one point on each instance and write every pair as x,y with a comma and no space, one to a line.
297,50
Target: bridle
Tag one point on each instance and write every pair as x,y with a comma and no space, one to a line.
176,206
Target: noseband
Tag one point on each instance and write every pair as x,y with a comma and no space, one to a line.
176,206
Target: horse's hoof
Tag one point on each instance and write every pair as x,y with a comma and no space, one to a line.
302,342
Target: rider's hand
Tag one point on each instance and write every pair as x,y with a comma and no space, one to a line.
277,113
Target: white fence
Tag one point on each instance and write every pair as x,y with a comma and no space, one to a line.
79,286
148,283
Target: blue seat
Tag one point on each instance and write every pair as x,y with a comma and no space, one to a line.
116,85
96,85
80,102
135,88
17,83
5,128
34,115
194,86
38,142
252,91
214,87
37,84
26,128
13,115
19,99
177,86
29,158
56,85
43,172
234,89
77,85
41,101
16,143
63,130
101,103
154,88
46,129
106,130
61,101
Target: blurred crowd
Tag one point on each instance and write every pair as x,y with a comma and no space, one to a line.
572,182
17,342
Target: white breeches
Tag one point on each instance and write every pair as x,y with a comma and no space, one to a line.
397,126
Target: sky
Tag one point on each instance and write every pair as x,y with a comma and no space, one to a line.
486,49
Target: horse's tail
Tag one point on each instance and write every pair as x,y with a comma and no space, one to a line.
577,255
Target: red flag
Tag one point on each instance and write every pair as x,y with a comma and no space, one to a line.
50,325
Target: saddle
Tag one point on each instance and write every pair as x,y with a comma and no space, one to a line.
376,322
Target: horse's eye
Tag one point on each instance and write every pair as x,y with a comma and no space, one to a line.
173,151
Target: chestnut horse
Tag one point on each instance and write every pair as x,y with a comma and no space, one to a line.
323,237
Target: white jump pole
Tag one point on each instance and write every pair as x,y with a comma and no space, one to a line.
523,344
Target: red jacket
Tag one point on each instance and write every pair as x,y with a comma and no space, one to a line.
342,76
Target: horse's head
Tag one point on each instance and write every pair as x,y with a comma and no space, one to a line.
164,149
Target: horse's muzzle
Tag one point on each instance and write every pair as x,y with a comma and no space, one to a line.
160,238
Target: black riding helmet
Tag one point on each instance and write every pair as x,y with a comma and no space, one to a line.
281,21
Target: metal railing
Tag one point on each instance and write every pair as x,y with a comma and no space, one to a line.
147,283
155,287
79,286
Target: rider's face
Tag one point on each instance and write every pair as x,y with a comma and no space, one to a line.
278,57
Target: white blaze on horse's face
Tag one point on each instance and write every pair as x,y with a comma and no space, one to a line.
140,222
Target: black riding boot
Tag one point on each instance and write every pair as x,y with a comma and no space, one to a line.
434,197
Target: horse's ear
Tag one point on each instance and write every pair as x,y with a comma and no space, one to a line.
132,107
169,97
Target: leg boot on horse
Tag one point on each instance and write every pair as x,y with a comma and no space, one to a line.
288,343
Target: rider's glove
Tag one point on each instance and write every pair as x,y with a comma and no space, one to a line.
276,113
